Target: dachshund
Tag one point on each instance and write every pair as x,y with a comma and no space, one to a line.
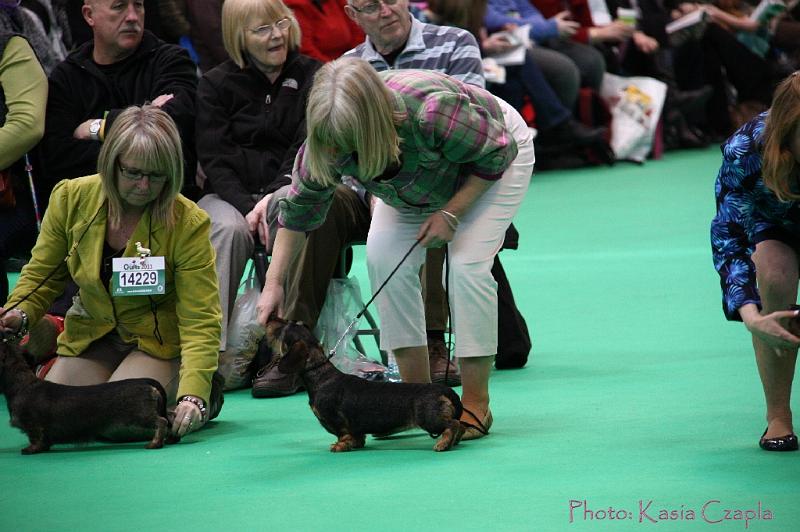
51,413
350,407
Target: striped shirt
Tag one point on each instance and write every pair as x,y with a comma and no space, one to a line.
452,51
451,130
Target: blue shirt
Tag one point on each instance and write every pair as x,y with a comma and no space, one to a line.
746,209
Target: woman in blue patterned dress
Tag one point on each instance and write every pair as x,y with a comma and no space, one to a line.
755,238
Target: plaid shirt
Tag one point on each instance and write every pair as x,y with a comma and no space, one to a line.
452,130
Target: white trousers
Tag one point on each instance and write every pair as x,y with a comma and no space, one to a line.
471,288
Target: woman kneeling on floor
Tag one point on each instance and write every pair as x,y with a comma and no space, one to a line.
448,164
168,329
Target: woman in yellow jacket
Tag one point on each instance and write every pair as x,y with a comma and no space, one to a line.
156,312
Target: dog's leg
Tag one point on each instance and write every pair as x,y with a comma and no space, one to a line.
158,438
450,436
348,442
38,442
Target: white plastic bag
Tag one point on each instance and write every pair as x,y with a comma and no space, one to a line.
244,333
635,104
343,302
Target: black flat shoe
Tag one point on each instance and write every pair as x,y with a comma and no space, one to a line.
783,443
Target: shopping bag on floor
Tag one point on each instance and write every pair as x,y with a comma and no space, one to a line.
636,104
244,333
343,302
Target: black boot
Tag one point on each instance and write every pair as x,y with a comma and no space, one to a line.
572,133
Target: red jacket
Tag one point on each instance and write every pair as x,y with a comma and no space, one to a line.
327,30
579,10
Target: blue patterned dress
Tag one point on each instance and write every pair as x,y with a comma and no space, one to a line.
747,213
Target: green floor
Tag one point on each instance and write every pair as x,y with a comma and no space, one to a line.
638,393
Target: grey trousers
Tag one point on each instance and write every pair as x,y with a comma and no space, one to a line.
234,244
567,66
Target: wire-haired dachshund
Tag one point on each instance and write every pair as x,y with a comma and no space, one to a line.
350,407
51,413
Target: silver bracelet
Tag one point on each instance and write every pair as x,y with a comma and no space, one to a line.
451,219
198,402
20,333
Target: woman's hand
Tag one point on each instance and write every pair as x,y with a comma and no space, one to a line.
566,28
772,329
257,219
187,418
10,322
270,302
645,43
496,43
435,232
615,32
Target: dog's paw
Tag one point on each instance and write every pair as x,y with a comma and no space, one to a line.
32,449
341,447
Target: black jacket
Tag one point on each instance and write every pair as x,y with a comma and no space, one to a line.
80,90
249,130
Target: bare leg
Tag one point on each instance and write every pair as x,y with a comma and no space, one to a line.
413,364
475,386
777,273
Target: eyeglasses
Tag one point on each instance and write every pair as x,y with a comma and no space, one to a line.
373,7
267,29
137,175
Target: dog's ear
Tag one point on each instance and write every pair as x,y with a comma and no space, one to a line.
293,360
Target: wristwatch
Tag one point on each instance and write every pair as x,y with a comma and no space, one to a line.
94,128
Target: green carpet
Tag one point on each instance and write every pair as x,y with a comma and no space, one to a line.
638,393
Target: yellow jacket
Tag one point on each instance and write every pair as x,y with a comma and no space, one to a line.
188,313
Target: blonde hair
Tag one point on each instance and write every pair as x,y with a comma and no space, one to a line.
350,109
149,135
779,169
235,17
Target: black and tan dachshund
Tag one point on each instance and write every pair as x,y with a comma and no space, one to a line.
51,413
350,407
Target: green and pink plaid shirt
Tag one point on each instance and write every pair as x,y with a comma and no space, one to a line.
452,130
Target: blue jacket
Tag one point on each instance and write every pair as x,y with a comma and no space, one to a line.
519,12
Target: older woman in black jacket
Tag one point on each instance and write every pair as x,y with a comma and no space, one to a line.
250,123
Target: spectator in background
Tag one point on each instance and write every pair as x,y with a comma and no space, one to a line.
555,123
567,65
17,19
23,96
327,30
123,65
250,123
205,20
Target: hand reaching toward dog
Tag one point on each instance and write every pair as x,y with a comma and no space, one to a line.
270,302
774,329
187,418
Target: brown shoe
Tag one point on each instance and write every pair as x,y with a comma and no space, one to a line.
443,370
271,382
